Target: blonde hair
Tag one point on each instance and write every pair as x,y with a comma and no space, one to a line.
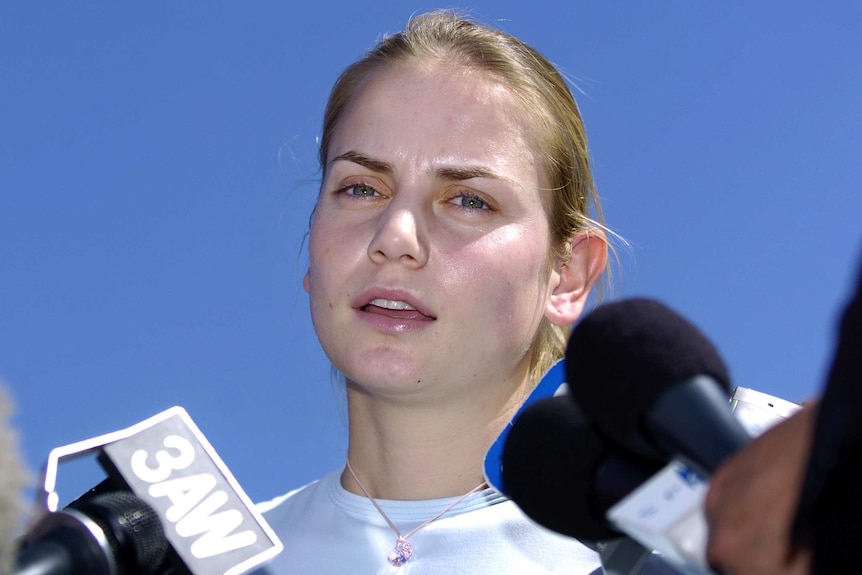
549,109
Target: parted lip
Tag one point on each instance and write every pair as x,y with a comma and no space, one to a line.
391,294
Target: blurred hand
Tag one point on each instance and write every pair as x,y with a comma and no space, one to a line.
752,501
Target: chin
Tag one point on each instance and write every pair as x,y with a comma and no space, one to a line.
391,377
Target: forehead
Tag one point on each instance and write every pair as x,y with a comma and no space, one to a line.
440,113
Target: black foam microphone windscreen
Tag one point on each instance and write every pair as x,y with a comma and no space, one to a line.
653,383
562,474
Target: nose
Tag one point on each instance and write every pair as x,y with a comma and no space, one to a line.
400,236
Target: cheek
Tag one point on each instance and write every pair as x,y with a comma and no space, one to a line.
507,270
333,237
323,249
523,253
334,252
317,281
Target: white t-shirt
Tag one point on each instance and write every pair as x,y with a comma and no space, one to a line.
327,530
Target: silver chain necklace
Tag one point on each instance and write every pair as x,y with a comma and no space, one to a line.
403,550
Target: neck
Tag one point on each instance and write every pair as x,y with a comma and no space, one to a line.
406,450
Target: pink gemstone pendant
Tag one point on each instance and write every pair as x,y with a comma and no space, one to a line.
401,553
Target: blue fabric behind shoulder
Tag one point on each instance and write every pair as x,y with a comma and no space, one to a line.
548,386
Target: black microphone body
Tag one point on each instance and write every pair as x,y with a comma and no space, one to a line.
67,551
102,534
169,506
651,382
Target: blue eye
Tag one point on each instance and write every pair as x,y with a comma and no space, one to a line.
471,202
362,190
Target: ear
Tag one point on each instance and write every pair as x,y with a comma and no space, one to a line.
306,282
572,280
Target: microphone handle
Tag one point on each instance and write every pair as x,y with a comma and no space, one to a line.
693,420
67,550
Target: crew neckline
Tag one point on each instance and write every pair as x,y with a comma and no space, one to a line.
406,511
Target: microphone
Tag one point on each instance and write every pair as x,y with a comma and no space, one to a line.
168,506
112,532
653,383
564,475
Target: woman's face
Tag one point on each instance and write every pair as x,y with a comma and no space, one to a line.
429,243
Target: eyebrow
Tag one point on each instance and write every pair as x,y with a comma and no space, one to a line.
365,162
457,173
451,173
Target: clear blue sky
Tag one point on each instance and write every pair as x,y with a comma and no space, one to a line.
157,171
